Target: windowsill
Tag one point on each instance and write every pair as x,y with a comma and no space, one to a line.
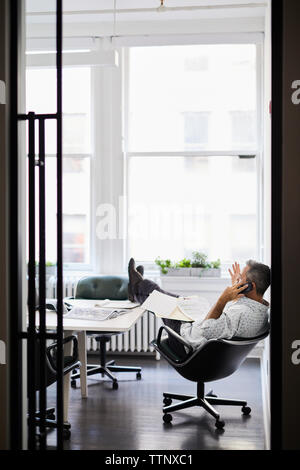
192,278
151,274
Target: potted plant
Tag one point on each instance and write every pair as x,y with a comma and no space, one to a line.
199,263
213,269
50,268
198,266
164,265
201,267
181,268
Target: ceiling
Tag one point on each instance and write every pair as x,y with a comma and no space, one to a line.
97,18
78,11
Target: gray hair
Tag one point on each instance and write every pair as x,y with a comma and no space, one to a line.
260,274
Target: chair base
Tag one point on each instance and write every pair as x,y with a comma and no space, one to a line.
203,400
106,370
51,423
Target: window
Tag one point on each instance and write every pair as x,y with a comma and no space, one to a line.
195,130
76,161
178,205
243,129
192,116
164,86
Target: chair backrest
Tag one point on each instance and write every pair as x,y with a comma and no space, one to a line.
102,287
69,363
51,375
216,359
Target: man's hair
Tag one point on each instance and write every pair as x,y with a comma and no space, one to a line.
260,274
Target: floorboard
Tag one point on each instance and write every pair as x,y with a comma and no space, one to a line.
131,417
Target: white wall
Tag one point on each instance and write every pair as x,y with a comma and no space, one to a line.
108,164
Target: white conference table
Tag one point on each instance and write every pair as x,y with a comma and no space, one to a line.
79,327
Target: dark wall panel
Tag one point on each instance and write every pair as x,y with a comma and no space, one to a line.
3,235
291,224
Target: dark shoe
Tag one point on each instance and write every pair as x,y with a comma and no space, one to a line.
134,278
140,269
130,294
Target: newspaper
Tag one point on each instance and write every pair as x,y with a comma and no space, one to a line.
176,308
94,313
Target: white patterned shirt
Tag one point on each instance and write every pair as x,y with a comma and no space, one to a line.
245,318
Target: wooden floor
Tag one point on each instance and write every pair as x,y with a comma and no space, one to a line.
131,417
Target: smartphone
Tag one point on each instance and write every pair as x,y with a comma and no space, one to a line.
248,289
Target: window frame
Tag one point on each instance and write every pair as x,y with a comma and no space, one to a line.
109,179
258,152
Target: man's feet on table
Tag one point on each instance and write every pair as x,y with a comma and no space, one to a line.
140,269
135,275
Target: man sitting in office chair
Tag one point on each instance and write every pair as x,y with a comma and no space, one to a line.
240,310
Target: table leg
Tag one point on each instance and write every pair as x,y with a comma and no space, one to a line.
67,352
82,352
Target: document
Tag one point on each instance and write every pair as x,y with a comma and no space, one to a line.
95,313
106,303
176,308
118,304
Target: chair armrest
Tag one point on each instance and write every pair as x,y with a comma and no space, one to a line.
65,340
66,303
175,335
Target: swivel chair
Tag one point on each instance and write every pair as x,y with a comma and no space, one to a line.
101,288
70,363
216,359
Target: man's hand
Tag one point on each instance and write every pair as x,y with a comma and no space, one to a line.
235,274
233,292
230,293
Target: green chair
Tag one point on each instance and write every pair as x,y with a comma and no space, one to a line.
100,288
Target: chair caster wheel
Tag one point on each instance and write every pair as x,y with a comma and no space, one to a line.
246,410
211,394
66,434
219,424
138,376
73,383
167,401
167,418
115,385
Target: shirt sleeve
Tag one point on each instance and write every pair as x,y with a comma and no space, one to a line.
224,327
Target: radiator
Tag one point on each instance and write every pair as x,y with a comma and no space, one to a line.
137,340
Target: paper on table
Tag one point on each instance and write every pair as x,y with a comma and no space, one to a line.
95,314
106,303
123,304
85,303
165,306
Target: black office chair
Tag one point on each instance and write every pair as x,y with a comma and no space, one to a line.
70,363
216,359
101,288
